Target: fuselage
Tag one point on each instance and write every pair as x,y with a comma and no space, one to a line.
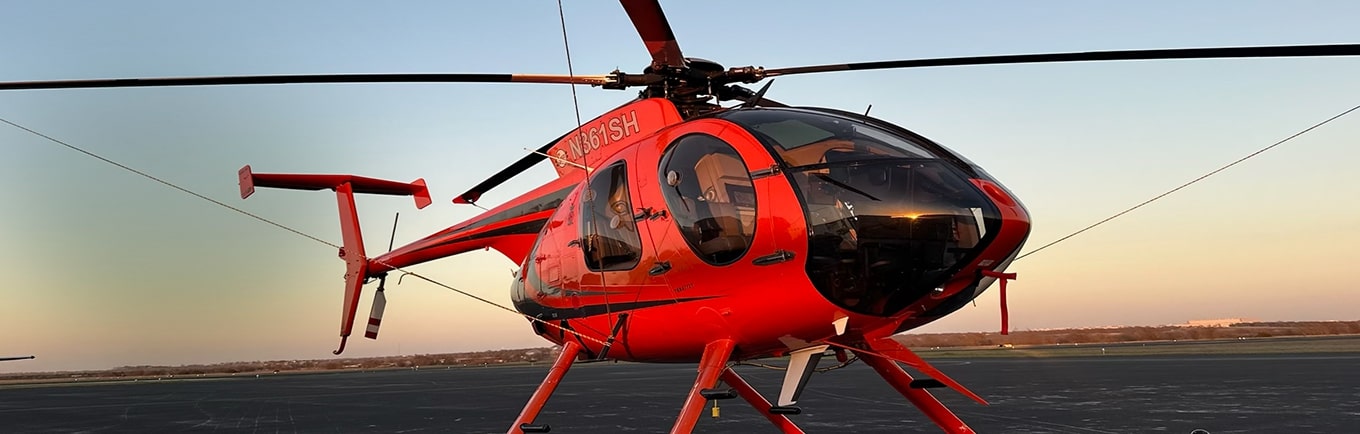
774,227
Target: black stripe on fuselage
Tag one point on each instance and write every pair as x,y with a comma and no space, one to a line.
549,201
533,309
527,228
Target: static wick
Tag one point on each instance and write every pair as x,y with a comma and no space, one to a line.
392,241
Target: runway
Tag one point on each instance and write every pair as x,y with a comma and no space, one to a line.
1221,394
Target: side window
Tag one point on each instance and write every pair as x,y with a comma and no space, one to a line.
609,235
708,191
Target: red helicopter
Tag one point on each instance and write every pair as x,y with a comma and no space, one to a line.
679,230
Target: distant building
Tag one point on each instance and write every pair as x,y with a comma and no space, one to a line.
1222,322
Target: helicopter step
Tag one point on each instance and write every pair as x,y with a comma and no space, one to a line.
926,383
758,402
717,394
711,366
785,409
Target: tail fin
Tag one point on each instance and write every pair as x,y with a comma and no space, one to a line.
356,262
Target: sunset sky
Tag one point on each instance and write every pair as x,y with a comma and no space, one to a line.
105,268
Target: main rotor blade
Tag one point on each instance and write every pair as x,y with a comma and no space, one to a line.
475,193
1088,56
656,33
595,80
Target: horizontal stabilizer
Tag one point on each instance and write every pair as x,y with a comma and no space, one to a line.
359,184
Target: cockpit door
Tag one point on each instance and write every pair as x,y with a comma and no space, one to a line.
708,190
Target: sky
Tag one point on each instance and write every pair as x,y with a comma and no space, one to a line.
105,268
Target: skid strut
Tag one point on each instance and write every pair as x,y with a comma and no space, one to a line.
922,399
711,365
758,402
524,423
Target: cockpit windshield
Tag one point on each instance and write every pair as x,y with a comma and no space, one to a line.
890,216
802,138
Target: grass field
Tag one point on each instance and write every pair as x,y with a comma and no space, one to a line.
1282,345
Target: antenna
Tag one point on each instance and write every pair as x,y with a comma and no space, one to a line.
393,239
562,17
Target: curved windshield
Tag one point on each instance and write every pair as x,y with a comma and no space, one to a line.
889,218
885,233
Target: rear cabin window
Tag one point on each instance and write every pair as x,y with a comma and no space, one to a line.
708,191
609,238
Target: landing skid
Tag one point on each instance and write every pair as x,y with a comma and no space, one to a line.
713,368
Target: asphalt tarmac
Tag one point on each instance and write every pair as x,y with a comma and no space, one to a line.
1220,394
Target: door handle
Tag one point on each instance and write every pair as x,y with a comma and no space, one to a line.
773,258
661,267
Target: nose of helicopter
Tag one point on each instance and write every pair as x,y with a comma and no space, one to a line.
885,234
894,220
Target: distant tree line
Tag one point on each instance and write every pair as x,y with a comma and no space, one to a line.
534,355
1132,334
479,358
